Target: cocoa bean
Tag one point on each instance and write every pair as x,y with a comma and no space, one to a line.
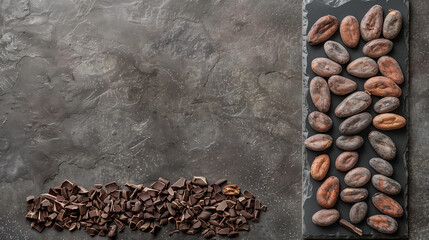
322,29
355,103
386,104
363,67
383,223
320,167
358,212
382,144
381,166
325,67
318,142
389,121
320,95
349,30
325,217
319,121
336,52
372,23
357,177
346,161
340,85
382,87
386,184
349,143
327,194
390,68
392,24
353,195
355,124
387,205
377,48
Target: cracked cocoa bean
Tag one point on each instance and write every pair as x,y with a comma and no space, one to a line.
318,142
336,52
322,29
377,48
390,68
386,185
372,23
382,87
319,121
353,195
358,212
363,67
349,143
387,205
327,194
355,124
340,85
389,121
383,223
325,217
382,144
382,166
386,104
320,167
392,24
357,177
325,67
349,30
346,161
353,104
320,95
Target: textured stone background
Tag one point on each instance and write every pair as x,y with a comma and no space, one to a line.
169,88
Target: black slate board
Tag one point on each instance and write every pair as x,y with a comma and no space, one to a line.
313,10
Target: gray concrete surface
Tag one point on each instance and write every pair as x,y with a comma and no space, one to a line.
169,88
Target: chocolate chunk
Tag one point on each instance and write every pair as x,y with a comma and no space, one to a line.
179,184
199,181
222,206
110,187
30,199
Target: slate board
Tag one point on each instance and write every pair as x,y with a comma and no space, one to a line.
313,10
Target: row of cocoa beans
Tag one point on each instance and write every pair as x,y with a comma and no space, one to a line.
352,108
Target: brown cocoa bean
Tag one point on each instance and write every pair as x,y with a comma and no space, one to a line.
318,142
386,104
390,68
349,143
346,161
358,212
355,124
387,205
357,177
363,67
322,29
340,85
320,95
382,144
386,184
320,167
353,195
381,166
325,67
349,30
325,217
382,87
389,121
319,121
372,23
336,52
383,223
327,194
392,24
377,48
354,103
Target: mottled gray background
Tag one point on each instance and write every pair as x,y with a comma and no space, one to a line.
169,88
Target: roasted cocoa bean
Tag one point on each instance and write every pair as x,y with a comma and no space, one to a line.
322,29
346,161
355,124
386,184
390,68
377,48
353,195
387,205
319,121
392,24
320,95
386,104
382,87
325,67
336,52
318,142
381,166
325,217
349,143
327,194
340,85
349,30
320,167
363,67
389,121
382,144
355,103
357,177
372,23
358,212
383,223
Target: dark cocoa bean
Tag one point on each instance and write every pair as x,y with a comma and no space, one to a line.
349,143
381,166
353,195
387,205
383,223
327,194
319,93
325,217
318,142
382,87
336,52
355,103
363,67
346,161
392,24
358,212
389,121
357,177
319,121
372,23
386,184
390,68
320,167
386,104
382,144
349,30
355,124
340,85
377,48
322,29
325,67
